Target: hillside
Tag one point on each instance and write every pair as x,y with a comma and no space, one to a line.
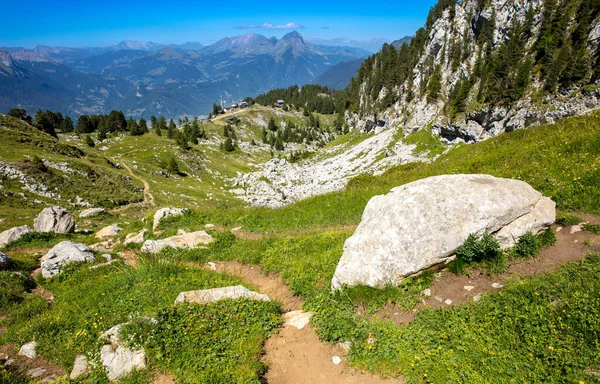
339,75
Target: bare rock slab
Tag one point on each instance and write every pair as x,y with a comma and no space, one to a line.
207,296
108,232
13,234
187,240
55,219
118,360
421,224
66,252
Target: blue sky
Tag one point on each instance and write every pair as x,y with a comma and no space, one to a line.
99,23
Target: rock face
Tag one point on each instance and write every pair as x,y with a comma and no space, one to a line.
135,238
108,232
188,240
91,212
118,360
163,213
421,224
13,234
207,296
4,261
55,219
66,252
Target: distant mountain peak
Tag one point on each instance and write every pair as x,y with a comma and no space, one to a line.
294,35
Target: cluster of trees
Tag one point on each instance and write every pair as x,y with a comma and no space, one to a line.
312,132
46,121
311,98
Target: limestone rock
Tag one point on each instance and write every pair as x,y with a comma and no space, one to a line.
297,319
421,224
108,232
36,373
118,360
80,367
28,350
55,219
4,261
91,212
163,213
207,296
13,234
189,240
66,252
135,238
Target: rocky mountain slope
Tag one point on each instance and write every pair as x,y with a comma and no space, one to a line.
480,68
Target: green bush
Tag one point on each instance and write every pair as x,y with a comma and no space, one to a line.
475,250
526,247
594,228
567,219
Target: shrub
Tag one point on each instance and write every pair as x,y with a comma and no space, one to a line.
594,228
567,219
89,141
527,246
474,250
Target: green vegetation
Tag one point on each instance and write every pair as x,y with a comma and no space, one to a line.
484,249
568,219
594,228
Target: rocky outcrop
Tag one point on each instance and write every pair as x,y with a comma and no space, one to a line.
55,219
13,234
91,212
163,213
64,253
135,238
421,224
207,296
188,240
5,261
108,232
117,359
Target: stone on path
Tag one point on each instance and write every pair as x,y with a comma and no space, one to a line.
336,360
189,240
207,296
298,319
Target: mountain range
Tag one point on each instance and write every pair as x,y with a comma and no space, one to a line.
144,78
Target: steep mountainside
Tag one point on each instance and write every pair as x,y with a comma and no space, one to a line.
338,76
482,67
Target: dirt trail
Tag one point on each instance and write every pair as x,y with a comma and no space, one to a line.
296,356
148,196
460,289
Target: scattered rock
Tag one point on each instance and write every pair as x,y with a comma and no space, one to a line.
212,266
427,292
209,226
345,346
28,350
66,252
5,261
91,212
439,299
558,229
108,232
189,240
108,257
477,297
167,212
468,288
36,372
55,219
118,360
236,229
13,234
336,360
9,362
135,238
50,379
80,367
575,229
497,285
448,302
298,319
421,224
207,296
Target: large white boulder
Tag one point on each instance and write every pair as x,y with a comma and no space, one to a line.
55,219
13,234
117,359
207,296
421,224
163,213
187,240
66,252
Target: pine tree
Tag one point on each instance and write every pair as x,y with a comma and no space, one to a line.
434,86
67,125
272,126
172,129
229,147
89,141
143,125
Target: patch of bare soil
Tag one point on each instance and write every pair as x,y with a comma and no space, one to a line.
296,356
21,365
131,257
161,378
272,284
449,289
44,293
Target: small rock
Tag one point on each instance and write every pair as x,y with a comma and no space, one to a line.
298,319
448,302
108,257
212,266
477,297
9,362
558,229
236,229
36,372
28,350
167,212
135,238
468,288
336,360
66,252
427,292
209,226
50,379
439,299
189,240
345,346
91,212
80,367
5,261
575,229
108,232
181,232
206,296
497,285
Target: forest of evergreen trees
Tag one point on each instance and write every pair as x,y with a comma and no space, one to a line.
311,98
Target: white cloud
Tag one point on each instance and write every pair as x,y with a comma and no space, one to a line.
271,26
